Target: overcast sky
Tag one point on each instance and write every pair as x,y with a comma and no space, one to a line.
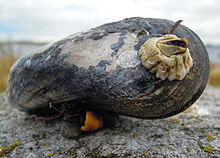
54,19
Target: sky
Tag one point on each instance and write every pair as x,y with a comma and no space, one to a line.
49,20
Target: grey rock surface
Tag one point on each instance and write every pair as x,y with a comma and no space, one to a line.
194,133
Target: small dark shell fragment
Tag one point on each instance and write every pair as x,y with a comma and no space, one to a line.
100,70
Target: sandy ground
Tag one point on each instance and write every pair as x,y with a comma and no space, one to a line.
194,134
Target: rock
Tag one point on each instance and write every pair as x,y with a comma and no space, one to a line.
70,130
193,133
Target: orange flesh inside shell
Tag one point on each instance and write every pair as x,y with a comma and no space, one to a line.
93,122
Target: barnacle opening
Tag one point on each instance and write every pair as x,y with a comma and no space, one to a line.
179,43
172,46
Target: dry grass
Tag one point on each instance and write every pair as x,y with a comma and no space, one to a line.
5,64
214,76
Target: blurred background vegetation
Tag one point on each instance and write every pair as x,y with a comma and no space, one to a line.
7,58
214,76
9,53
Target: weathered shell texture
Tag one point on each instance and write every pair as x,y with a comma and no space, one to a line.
100,70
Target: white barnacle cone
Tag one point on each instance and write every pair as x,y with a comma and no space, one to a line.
167,56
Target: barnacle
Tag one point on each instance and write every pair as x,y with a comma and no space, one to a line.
168,56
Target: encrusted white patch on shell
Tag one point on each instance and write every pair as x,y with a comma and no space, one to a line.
126,56
170,66
47,58
27,63
42,49
90,52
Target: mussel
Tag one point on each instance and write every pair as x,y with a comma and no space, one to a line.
140,67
